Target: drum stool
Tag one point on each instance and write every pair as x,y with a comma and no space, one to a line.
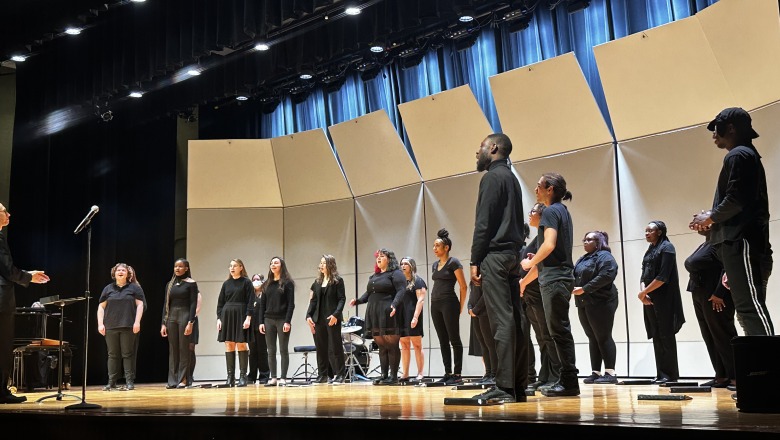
307,377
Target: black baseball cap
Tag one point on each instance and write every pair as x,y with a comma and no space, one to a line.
737,116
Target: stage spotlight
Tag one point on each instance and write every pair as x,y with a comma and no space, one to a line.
136,94
262,46
306,74
352,10
72,31
242,98
377,48
18,58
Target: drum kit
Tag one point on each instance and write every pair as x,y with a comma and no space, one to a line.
357,353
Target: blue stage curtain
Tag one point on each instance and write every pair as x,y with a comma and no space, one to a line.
550,33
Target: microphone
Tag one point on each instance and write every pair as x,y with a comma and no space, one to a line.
94,210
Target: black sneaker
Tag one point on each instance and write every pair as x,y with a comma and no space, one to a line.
606,378
496,395
454,379
558,390
535,385
592,378
444,378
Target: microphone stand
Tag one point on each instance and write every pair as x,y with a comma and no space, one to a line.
83,404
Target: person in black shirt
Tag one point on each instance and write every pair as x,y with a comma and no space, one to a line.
531,292
119,312
275,317
234,316
714,311
660,294
324,316
178,318
556,277
412,332
259,370
384,319
739,220
498,237
596,298
446,306
10,275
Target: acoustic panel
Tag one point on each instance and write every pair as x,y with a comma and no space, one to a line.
659,181
750,57
314,230
445,131
661,79
237,173
392,220
307,168
534,102
372,154
220,235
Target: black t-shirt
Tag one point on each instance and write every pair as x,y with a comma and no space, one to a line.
558,265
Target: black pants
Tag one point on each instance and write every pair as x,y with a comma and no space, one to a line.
330,350
178,345
748,264
549,364
258,356
486,342
121,344
717,330
597,321
556,297
6,350
445,314
274,328
500,289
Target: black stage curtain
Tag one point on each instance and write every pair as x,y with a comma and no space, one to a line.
128,171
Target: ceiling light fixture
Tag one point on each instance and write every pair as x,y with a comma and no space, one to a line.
377,48
72,31
193,72
18,58
137,1
466,16
306,74
242,98
136,94
352,10
262,46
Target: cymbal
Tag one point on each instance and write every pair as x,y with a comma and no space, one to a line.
351,329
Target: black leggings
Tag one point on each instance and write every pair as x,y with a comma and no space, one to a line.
445,314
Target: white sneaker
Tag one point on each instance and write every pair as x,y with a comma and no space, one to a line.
271,383
281,383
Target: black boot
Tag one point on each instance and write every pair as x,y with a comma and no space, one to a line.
230,361
243,360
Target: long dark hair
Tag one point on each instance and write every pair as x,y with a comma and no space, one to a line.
284,275
392,261
331,269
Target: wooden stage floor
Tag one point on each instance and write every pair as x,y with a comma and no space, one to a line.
362,411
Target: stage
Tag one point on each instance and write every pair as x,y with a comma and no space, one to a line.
364,411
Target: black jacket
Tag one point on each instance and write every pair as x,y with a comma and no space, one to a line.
331,298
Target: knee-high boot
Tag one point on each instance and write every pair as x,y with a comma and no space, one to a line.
230,361
243,360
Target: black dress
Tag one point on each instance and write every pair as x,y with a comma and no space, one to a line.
233,306
385,289
409,306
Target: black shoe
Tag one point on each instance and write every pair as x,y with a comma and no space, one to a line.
109,387
606,378
389,381
170,387
724,384
497,395
591,379
338,380
558,390
534,385
10,398
444,378
321,379
709,383
379,380
546,386
454,379
731,387
660,380
130,386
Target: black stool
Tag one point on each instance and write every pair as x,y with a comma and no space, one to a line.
307,377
